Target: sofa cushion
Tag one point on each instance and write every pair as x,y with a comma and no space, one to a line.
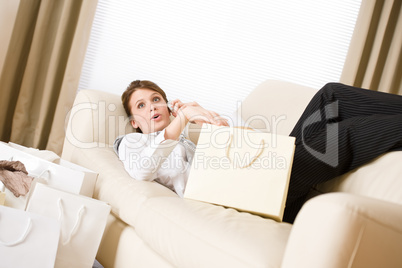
114,186
190,233
381,178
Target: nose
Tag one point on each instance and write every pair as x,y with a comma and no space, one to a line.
152,107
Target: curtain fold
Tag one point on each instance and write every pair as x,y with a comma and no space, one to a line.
41,71
375,54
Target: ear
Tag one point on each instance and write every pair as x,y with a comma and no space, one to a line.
134,124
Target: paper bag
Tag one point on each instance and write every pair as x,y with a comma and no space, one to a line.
10,200
65,176
90,176
82,219
27,239
2,198
243,169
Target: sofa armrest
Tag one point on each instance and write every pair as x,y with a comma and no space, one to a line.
345,230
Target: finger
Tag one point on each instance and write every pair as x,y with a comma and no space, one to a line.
222,122
219,120
201,118
177,103
190,104
193,103
177,106
215,119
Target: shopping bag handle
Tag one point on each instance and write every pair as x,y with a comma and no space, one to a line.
76,224
21,239
257,154
43,172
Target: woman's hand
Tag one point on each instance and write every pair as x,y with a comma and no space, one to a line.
190,112
197,114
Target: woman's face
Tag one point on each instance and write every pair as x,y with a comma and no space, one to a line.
149,110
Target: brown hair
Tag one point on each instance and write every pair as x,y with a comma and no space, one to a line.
132,87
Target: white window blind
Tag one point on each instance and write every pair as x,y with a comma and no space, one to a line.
217,52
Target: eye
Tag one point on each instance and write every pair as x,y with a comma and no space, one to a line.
156,99
140,105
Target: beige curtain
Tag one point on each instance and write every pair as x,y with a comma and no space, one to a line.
374,60
41,70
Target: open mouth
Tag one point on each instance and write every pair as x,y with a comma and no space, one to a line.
156,116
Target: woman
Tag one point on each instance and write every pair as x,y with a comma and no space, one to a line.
158,151
361,125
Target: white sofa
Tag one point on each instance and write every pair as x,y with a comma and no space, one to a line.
357,223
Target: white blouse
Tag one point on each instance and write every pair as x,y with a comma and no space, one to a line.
149,157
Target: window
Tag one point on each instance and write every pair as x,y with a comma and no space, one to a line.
217,52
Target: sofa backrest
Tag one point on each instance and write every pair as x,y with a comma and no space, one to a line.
275,106
95,120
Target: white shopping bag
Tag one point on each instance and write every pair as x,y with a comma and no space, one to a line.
10,200
90,176
27,239
2,198
82,219
65,176
243,169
